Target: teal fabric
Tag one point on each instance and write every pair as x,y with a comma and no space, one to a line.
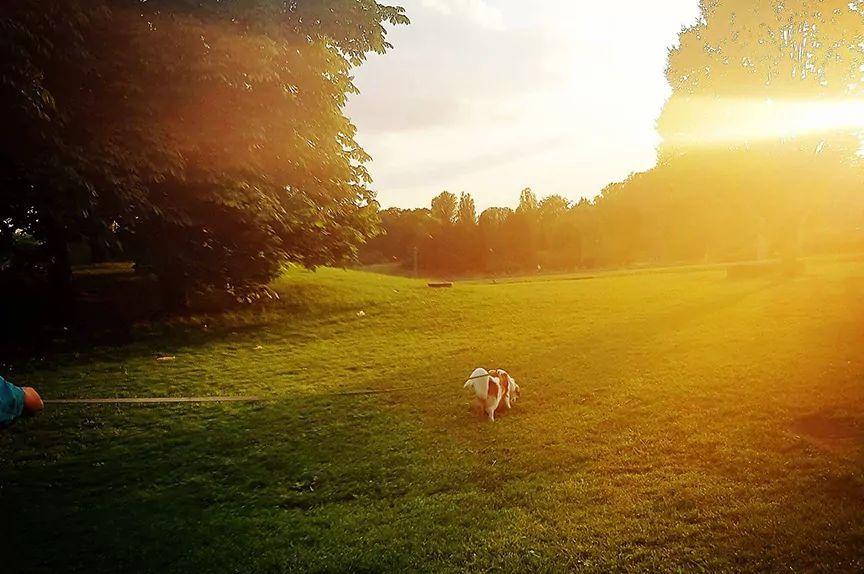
11,402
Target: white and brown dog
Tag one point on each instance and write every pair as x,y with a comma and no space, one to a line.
491,388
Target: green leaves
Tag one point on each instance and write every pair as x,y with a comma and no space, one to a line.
182,120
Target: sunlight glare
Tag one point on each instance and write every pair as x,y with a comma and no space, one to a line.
703,121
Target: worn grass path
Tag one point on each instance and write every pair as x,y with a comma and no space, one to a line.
670,422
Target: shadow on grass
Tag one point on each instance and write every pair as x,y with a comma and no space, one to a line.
116,312
307,484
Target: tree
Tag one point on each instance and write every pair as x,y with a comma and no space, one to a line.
718,190
468,255
467,216
742,53
497,240
788,47
210,135
525,225
527,201
582,233
553,207
556,246
445,208
403,231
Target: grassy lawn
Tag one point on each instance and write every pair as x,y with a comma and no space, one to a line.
669,421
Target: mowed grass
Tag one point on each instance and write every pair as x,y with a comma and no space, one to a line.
669,422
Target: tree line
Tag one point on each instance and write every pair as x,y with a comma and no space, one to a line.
654,218
449,237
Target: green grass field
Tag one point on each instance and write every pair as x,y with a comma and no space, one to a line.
669,422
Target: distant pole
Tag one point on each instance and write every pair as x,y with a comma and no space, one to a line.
416,274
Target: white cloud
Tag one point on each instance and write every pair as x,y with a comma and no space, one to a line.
448,71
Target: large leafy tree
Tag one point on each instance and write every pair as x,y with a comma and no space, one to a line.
210,135
743,53
759,63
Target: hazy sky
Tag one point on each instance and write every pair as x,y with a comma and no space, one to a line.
491,96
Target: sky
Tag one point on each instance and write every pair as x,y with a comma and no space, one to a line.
492,96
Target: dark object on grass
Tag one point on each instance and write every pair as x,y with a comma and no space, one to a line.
441,285
765,269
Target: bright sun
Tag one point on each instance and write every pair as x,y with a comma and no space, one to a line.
733,120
